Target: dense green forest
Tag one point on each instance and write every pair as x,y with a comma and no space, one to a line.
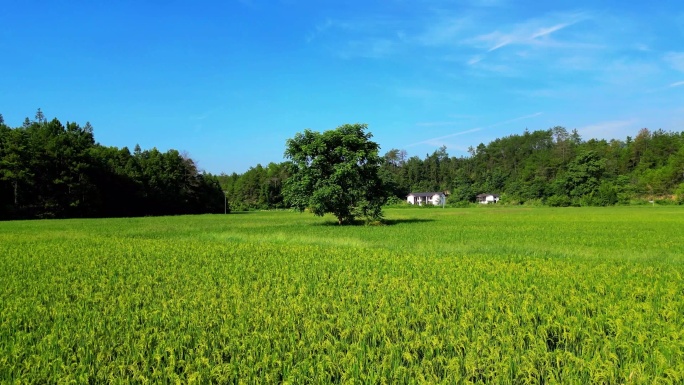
554,167
51,170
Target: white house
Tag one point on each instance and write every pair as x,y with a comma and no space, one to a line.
487,198
418,198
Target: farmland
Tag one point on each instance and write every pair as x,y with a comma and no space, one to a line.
478,295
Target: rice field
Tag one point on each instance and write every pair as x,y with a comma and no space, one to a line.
456,296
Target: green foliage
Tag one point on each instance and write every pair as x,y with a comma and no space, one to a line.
538,165
15,160
459,204
606,195
395,201
509,200
558,201
503,296
583,175
336,172
258,188
533,202
680,194
49,170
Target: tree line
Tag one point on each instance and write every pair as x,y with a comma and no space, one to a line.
52,170
554,167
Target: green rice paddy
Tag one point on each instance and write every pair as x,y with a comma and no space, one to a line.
480,295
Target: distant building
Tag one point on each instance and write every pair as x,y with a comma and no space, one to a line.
487,198
418,198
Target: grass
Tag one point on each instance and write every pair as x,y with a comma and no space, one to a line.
478,295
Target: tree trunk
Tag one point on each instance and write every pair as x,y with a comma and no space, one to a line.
16,192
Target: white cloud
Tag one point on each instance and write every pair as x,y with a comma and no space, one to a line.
449,35
475,59
547,31
502,40
531,32
676,84
439,141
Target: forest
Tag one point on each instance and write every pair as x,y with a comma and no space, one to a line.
553,167
52,170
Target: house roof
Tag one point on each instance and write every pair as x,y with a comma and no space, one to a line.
425,194
486,195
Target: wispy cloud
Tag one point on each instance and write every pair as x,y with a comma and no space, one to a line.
547,31
531,32
475,59
447,34
439,141
676,84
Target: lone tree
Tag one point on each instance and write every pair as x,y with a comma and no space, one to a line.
336,172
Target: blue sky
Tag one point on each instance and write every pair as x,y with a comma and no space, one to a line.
229,81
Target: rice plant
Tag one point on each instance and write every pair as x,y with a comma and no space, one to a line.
503,296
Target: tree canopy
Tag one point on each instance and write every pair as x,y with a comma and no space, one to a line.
336,172
51,170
